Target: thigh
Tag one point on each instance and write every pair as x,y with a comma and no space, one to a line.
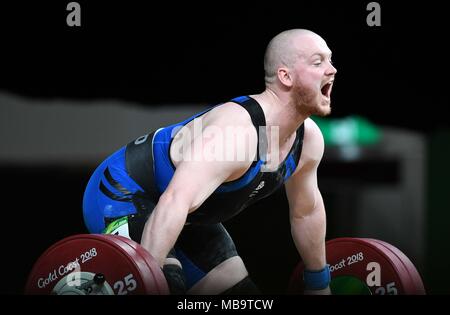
210,261
206,245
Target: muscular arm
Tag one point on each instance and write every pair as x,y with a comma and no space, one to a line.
195,179
307,211
190,184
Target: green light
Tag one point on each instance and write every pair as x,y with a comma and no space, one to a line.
352,130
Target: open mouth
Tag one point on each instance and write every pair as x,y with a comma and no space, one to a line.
326,89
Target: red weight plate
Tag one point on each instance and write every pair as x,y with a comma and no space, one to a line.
85,255
156,278
415,285
374,265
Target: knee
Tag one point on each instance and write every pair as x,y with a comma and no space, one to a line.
244,287
221,278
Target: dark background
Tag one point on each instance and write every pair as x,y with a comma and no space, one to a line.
156,54
165,52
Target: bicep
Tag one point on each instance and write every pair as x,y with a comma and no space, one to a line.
200,172
194,181
302,191
302,188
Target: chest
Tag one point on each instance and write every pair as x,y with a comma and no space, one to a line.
277,153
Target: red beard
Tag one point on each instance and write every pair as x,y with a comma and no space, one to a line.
309,102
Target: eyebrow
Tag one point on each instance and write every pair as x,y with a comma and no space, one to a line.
321,55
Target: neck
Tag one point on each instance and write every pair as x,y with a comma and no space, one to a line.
280,112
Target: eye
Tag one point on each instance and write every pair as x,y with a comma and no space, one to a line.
317,63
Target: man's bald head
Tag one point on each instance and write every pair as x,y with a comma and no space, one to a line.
283,50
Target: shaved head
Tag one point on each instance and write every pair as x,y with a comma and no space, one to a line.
282,52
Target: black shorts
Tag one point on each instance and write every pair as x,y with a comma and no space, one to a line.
199,248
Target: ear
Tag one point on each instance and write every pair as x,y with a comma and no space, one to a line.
284,75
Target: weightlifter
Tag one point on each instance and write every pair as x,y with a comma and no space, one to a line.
176,185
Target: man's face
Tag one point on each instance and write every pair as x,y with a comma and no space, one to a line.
313,76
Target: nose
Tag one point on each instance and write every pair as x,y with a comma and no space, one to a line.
331,70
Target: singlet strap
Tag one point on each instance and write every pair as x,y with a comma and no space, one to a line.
298,151
259,121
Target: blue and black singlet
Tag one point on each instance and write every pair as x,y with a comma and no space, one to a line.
148,163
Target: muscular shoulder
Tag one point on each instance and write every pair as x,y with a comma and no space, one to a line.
234,123
230,114
225,133
313,145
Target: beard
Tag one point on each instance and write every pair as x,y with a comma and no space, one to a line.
310,102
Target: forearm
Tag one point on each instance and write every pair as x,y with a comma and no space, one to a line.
308,232
163,227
